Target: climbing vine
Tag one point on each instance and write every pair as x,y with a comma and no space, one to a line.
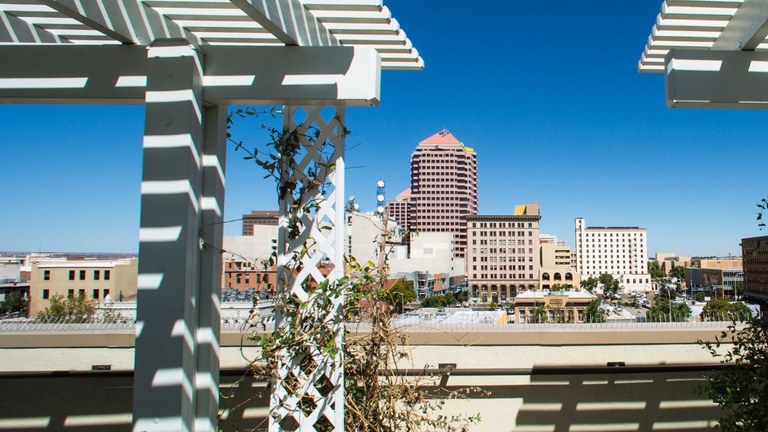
378,396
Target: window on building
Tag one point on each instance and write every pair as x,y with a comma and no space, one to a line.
106,274
96,294
105,293
46,275
96,274
81,293
70,293
82,274
71,275
46,294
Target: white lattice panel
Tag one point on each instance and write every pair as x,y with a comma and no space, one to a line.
309,391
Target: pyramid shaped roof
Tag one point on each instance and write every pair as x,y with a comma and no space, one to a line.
404,195
442,137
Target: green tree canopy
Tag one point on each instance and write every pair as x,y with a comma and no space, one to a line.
665,293
76,308
14,302
609,284
442,300
655,270
594,313
538,315
678,272
402,291
719,309
661,309
589,284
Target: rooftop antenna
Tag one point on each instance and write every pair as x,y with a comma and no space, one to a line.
380,195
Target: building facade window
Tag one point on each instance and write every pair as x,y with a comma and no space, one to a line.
71,275
46,275
46,294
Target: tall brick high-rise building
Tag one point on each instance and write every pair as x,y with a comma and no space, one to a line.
443,188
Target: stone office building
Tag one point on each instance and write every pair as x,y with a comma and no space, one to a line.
503,253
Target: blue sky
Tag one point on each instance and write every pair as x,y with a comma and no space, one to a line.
547,93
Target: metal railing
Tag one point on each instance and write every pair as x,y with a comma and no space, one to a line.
266,324
512,327
67,323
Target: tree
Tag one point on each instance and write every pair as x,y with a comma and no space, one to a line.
14,303
678,272
654,268
462,296
589,284
538,315
402,291
699,296
594,313
76,308
433,301
610,285
741,389
661,310
450,299
666,293
719,309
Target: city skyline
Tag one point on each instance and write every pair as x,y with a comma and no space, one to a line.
572,127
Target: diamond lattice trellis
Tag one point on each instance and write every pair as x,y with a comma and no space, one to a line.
308,394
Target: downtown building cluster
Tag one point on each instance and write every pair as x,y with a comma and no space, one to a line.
506,254
440,242
447,244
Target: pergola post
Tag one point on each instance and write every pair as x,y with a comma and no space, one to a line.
285,52
323,229
176,360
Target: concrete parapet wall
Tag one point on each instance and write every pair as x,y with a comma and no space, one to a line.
418,336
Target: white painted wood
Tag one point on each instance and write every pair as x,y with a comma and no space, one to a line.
205,22
717,79
246,75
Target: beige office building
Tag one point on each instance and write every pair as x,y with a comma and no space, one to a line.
619,251
669,261
503,253
558,268
443,187
92,278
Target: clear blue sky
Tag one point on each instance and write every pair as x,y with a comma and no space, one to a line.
547,93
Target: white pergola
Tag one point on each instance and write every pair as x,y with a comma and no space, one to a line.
714,53
186,61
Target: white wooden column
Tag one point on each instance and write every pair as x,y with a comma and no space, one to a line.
309,393
176,360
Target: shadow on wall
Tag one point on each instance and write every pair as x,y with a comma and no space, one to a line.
102,401
640,402
556,401
589,402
